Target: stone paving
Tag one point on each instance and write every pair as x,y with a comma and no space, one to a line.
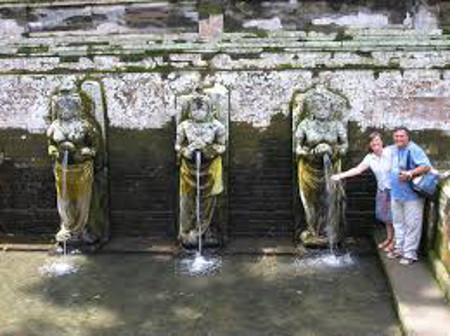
421,305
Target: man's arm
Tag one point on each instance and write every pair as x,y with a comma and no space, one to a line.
421,162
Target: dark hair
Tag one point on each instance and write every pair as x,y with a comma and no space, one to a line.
403,128
372,136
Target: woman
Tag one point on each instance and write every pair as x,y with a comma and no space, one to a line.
378,160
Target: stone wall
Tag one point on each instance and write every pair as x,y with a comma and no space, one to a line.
395,73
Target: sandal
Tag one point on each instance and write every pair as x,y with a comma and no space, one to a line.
394,254
390,247
406,261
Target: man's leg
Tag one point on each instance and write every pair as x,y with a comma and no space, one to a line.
398,217
413,226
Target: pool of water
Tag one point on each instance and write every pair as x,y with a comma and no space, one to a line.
149,295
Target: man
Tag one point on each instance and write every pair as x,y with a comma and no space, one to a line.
408,161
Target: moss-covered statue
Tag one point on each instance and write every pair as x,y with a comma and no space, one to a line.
320,142
200,143
76,145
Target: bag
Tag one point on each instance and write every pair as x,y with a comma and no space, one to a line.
426,184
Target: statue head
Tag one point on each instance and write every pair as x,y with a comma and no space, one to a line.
200,108
68,105
320,103
320,106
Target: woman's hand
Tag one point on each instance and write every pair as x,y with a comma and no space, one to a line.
336,177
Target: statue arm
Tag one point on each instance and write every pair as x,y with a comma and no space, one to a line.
301,148
180,138
52,146
92,141
221,138
180,142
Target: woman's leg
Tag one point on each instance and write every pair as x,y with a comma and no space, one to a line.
383,213
390,236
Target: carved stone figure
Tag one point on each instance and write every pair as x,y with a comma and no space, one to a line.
200,143
75,144
320,142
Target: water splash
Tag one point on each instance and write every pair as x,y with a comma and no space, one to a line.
197,265
62,267
58,268
327,260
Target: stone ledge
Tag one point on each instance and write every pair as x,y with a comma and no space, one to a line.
420,303
64,3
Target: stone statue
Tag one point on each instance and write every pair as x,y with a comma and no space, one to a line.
75,144
320,142
200,143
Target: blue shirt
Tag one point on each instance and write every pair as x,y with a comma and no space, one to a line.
401,191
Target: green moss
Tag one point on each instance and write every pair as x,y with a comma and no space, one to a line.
286,66
343,36
440,272
131,58
394,63
361,53
27,50
273,49
446,31
88,43
237,56
69,59
209,7
446,66
208,56
261,33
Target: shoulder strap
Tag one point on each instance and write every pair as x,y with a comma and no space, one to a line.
409,165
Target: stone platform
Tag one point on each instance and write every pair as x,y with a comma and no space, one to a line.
421,304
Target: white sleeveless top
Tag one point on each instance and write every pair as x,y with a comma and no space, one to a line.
381,166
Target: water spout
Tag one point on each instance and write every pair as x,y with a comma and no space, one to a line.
198,161
65,163
330,229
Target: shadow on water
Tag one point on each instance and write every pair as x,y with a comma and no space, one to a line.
143,295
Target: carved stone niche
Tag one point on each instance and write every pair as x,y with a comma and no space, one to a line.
319,143
77,144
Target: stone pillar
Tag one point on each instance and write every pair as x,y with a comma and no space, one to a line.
442,245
